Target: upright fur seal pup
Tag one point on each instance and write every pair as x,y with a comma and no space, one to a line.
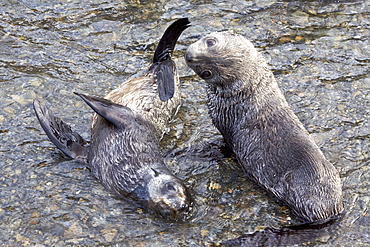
270,142
123,153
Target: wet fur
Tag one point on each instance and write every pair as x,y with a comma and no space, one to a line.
125,156
270,142
124,147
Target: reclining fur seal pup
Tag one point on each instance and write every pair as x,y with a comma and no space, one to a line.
270,143
123,153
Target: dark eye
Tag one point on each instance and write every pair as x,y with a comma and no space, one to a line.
210,42
206,74
170,186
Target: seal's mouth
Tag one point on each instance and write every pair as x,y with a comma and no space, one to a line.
191,58
166,211
199,63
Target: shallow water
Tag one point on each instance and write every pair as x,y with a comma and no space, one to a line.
319,51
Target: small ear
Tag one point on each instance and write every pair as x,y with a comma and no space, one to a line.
119,115
166,79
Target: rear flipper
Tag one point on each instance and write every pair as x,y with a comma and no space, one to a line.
61,134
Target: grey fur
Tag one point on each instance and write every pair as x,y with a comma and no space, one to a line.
124,153
270,142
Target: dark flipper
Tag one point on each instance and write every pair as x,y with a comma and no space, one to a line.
61,134
162,55
169,39
119,115
166,79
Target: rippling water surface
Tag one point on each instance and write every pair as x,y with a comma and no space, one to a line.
319,51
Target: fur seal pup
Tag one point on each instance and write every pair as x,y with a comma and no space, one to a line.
123,153
272,145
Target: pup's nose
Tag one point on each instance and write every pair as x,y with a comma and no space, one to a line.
188,57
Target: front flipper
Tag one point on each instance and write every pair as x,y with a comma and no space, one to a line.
61,134
169,38
119,115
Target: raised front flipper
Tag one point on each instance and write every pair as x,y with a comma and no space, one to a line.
163,66
169,38
119,115
61,134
